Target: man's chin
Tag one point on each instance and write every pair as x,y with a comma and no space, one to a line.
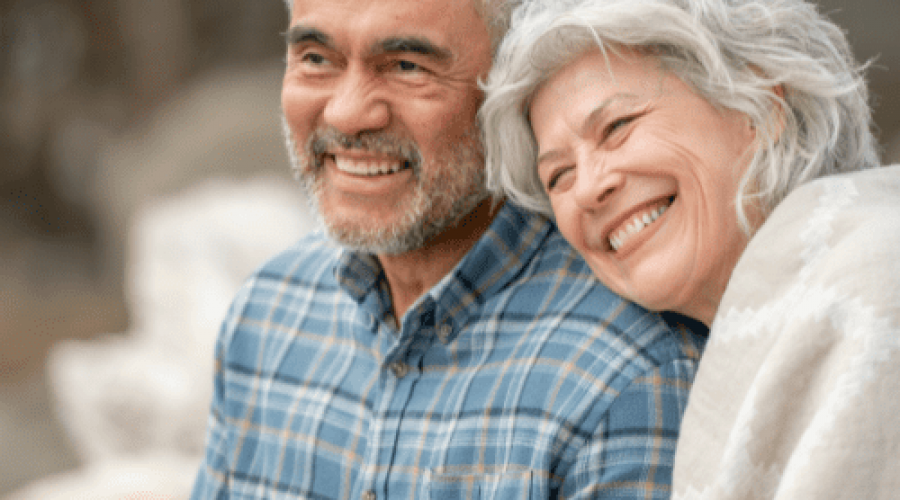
411,233
388,241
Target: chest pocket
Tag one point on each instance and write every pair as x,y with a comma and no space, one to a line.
512,483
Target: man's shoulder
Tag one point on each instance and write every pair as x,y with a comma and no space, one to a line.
309,259
557,313
556,270
304,272
557,292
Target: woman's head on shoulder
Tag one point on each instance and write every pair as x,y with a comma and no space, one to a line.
661,133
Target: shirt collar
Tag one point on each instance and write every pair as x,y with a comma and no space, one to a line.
497,258
509,243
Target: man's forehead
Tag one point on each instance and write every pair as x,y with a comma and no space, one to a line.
382,18
397,8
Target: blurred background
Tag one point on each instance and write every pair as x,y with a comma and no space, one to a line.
138,139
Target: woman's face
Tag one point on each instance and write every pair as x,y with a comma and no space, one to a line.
642,175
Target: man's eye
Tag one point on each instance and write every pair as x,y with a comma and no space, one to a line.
313,58
407,66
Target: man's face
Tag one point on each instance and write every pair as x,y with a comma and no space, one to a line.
380,100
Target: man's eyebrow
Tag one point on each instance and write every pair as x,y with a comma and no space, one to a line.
416,45
301,34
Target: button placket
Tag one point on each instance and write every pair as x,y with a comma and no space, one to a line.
444,332
399,369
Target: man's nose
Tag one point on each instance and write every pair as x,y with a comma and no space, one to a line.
357,104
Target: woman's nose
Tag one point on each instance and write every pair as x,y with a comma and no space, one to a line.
595,183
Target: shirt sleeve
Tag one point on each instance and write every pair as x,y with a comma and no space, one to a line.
212,482
630,456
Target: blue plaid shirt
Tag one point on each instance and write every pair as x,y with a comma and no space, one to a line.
517,376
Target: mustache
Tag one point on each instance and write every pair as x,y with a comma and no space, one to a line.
330,139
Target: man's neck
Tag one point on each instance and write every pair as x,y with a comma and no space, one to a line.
411,274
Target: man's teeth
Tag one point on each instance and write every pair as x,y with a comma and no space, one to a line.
635,226
357,167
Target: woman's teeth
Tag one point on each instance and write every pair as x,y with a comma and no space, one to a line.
370,168
635,226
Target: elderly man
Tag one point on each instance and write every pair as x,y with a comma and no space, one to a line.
436,343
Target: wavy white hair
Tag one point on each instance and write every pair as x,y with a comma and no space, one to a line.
733,53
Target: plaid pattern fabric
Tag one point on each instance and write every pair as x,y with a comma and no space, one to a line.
517,376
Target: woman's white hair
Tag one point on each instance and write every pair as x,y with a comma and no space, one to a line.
733,53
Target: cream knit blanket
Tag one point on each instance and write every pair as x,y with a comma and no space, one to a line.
798,392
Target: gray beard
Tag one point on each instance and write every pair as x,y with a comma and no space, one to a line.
439,202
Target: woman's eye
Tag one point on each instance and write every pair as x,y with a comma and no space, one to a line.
617,124
556,176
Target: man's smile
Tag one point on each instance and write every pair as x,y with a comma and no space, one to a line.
370,166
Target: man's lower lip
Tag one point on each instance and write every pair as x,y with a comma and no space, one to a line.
389,177
366,185
388,170
373,176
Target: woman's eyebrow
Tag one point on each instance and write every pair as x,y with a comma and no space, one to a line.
596,115
548,156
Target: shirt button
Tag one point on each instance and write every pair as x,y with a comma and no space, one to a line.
369,495
444,333
400,370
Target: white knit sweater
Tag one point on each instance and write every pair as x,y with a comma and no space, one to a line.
798,393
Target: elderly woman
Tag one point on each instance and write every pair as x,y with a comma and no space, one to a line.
714,158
